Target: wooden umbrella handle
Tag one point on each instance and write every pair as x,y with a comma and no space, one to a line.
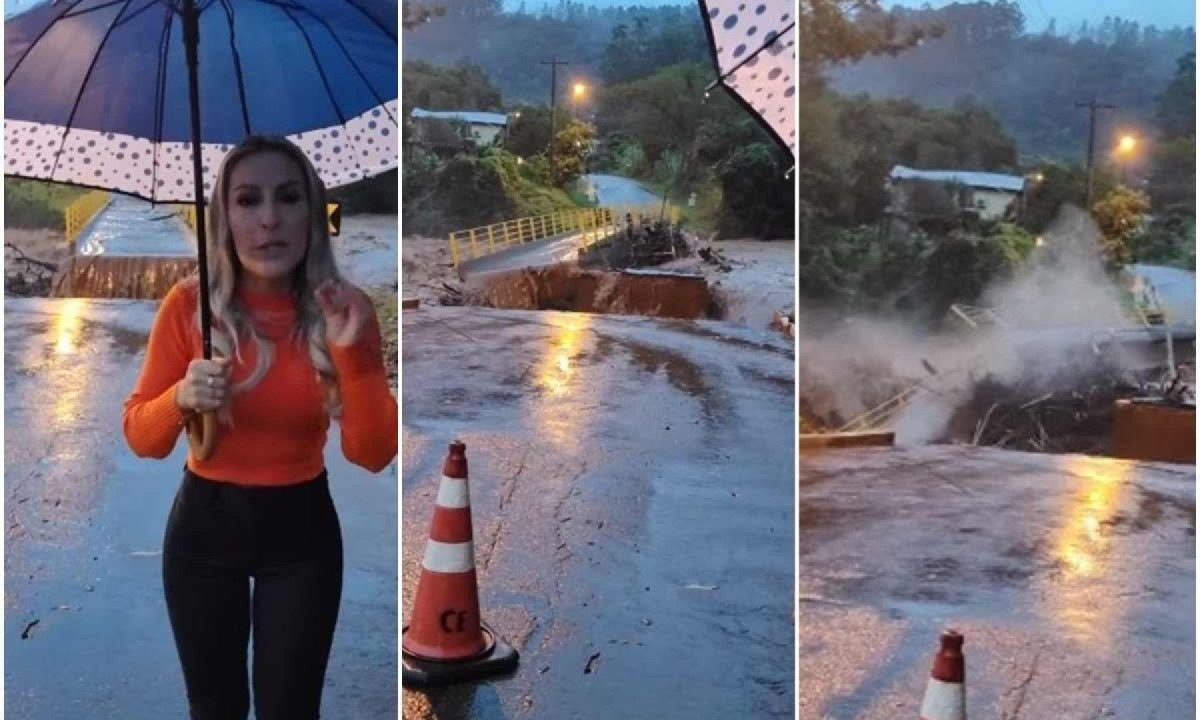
202,432
202,435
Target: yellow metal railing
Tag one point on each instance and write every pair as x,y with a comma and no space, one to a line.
187,213
79,213
593,224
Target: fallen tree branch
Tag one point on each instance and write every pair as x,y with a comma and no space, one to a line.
982,425
49,266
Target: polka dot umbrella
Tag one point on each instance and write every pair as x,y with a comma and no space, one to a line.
144,97
754,49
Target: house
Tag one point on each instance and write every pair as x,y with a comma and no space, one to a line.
990,195
484,127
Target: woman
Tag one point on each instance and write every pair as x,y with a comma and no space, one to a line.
299,346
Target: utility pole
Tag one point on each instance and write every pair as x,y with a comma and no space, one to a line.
1092,107
553,62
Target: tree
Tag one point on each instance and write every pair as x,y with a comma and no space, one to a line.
457,87
1172,183
1176,109
568,156
834,31
471,192
1119,217
958,270
530,128
756,197
1060,184
416,14
1166,241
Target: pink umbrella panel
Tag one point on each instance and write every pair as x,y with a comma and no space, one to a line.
754,51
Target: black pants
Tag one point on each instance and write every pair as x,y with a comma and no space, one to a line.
287,540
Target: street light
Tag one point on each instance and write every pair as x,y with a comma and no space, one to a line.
578,91
1124,153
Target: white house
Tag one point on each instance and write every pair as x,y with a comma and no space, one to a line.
991,194
485,127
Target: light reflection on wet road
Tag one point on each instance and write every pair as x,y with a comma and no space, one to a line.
1072,578
631,486
86,632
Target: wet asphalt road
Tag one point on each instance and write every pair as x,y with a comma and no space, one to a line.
84,523
130,227
1072,578
631,486
617,190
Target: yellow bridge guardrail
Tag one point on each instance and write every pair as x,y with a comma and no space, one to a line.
187,213
593,224
79,213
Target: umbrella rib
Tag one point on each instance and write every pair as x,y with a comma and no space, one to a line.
36,40
160,92
237,66
353,63
82,88
320,70
129,18
712,40
71,12
371,17
756,53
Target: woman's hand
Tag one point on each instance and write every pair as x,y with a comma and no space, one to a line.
205,387
347,310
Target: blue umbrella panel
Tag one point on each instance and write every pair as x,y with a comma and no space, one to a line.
96,92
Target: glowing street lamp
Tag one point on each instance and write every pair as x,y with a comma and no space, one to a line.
578,92
1124,153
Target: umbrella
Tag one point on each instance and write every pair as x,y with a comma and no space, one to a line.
754,51
144,97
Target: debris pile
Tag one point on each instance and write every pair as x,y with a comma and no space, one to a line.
644,244
1074,417
785,322
26,276
713,256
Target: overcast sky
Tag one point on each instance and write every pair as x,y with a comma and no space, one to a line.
1070,13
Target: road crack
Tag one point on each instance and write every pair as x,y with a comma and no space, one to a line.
1021,688
507,489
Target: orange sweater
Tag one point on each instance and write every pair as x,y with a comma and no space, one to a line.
279,426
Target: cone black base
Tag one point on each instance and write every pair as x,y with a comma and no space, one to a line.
418,673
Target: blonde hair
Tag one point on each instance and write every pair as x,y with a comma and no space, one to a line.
231,324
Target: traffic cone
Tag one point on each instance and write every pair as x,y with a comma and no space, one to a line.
447,641
946,693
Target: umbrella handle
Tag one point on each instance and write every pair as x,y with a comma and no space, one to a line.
202,435
202,432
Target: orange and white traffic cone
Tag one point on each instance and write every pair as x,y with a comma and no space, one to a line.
946,693
447,641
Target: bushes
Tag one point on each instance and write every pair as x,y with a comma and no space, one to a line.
470,192
756,197
35,204
376,195
472,189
